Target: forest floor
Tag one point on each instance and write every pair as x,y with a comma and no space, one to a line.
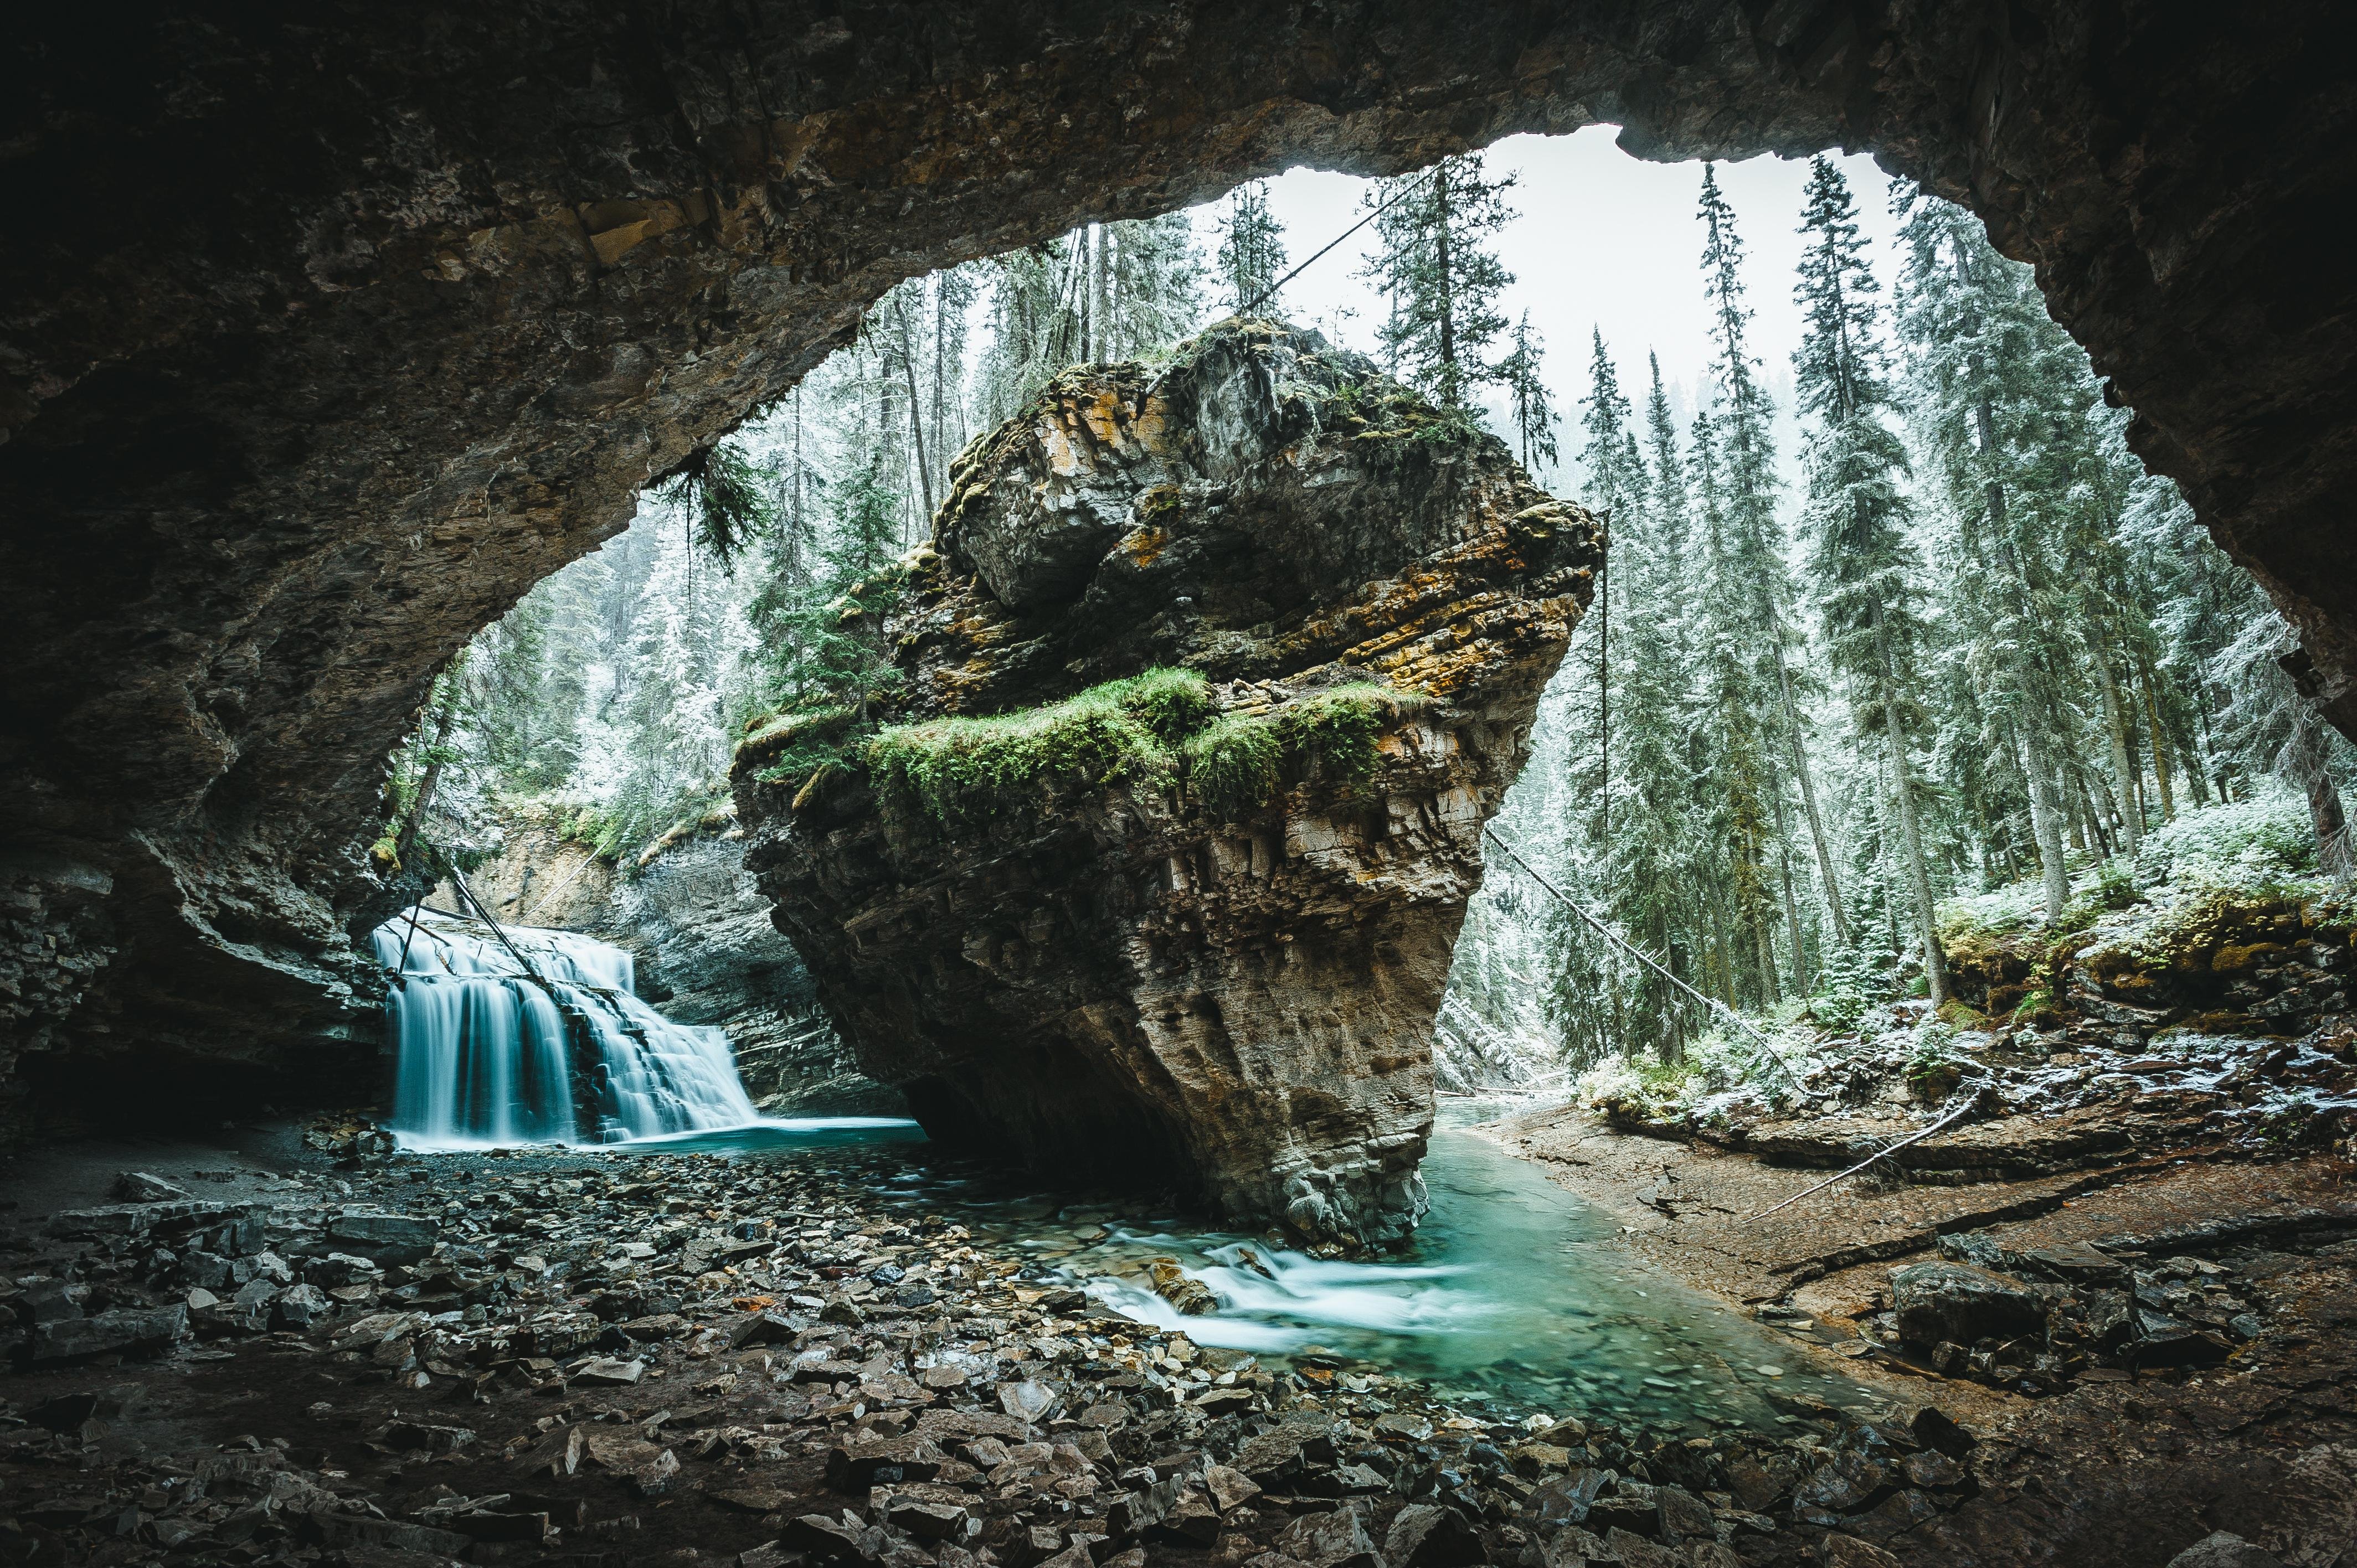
2221,1395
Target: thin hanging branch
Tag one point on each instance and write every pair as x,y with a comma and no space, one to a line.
1968,1103
1617,939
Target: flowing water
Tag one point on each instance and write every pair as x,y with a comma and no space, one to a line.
1507,1291
488,1054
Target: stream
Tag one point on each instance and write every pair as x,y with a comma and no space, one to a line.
1509,1292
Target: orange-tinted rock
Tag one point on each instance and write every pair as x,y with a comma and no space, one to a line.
1133,979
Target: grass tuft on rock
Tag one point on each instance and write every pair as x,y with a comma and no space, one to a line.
1159,730
960,769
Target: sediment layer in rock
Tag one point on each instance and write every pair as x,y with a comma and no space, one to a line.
1212,960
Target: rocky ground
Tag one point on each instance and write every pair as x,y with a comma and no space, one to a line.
2130,1271
606,1359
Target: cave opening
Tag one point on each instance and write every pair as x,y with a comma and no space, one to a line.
194,742
335,343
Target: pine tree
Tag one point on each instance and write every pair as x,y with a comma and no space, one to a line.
1439,277
1251,250
1531,405
1864,558
1749,582
1986,365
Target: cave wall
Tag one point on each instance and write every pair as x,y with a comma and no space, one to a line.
330,330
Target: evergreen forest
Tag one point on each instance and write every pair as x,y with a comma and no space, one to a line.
1925,648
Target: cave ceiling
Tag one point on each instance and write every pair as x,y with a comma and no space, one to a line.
325,332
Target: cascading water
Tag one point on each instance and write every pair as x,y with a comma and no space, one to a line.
488,1054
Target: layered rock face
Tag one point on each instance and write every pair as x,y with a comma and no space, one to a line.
1214,962
330,340
706,953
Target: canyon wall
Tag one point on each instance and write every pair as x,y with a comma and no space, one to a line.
333,332
1263,636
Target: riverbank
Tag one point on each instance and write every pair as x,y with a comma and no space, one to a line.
253,1357
2246,1423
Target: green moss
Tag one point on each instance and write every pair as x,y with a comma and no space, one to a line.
1157,730
1236,765
1337,728
960,769
785,748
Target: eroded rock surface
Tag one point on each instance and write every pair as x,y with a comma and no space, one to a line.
1154,976
329,341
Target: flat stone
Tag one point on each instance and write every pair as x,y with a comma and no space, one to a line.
128,1331
2223,1549
1959,1303
610,1372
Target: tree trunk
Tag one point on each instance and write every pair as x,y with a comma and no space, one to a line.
1723,948
2046,823
1910,837
1808,798
1445,282
2160,747
2124,765
2305,758
916,406
446,716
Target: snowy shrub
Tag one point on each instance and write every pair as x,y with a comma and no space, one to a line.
2245,843
1614,1087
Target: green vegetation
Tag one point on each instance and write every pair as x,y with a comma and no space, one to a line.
1160,730
958,769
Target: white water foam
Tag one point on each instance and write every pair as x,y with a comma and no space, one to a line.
483,1060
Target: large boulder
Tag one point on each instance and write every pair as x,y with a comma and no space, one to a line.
1959,1303
1261,638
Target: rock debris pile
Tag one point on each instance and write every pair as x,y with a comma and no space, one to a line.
2041,1102
2032,1320
595,1361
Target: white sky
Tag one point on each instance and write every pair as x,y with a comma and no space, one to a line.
1602,241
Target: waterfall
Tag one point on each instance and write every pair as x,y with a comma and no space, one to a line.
486,1055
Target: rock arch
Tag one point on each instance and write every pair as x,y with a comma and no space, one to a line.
327,334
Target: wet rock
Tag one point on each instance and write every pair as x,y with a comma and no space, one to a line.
843,1539
1633,1551
1338,1538
1031,1402
1567,1499
1962,1304
1171,1282
1895,1515
608,1371
126,1331
1157,977
2223,1549
866,1460
138,1186
1839,1550
1683,1517
1423,1536
1845,1483
1759,1483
